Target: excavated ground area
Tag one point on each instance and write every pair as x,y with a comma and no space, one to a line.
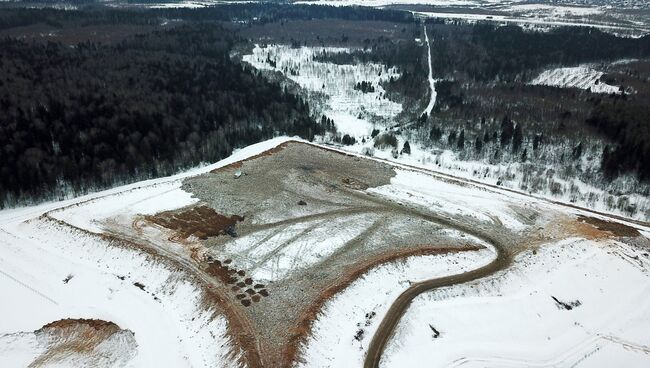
306,229
276,235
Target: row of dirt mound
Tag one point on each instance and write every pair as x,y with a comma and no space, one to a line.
246,290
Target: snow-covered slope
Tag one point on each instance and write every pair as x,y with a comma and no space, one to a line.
352,110
581,77
341,335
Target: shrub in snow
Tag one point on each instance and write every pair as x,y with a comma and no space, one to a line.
347,140
386,140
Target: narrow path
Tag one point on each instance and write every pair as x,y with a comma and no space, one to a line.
432,83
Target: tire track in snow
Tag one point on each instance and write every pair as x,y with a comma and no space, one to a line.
29,288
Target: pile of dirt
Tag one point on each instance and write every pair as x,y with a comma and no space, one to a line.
201,221
244,288
83,342
616,228
95,324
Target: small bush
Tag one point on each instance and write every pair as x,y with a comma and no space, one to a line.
385,140
348,141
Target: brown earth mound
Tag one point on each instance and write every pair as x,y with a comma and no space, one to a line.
201,221
76,340
616,228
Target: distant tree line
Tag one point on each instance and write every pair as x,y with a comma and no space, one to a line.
484,52
95,115
486,69
95,14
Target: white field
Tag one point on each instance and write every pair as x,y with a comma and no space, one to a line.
333,342
351,110
511,320
581,77
424,190
297,247
541,15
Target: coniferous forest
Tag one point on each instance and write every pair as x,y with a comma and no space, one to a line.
94,115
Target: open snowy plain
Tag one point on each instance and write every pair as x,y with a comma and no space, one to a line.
291,254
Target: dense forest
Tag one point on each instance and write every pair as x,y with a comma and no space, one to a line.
484,52
94,115
485,70
228,12
627,123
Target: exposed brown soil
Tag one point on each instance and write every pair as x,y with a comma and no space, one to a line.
240,286
201,221
354,184
78,337
96,324
616,228
239,164
302,328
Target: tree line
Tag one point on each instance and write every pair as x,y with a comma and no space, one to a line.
485,52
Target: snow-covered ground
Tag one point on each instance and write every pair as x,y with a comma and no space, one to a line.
422,189
542,14
432,82
343,330
512,320
170,324
165,311
352,110
270,257
581,77
508,175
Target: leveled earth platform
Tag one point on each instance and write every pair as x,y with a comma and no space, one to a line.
286,254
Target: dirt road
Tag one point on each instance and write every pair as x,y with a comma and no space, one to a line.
398,308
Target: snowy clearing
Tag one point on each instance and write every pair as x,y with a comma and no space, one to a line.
585,302
581,77
442,197
352,110
342,332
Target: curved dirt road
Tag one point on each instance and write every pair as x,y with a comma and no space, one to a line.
399,306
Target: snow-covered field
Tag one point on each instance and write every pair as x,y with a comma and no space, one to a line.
512,320
166,311
268,258
56,266
424,190
612,17
341,335
352,110
170,324
581,77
